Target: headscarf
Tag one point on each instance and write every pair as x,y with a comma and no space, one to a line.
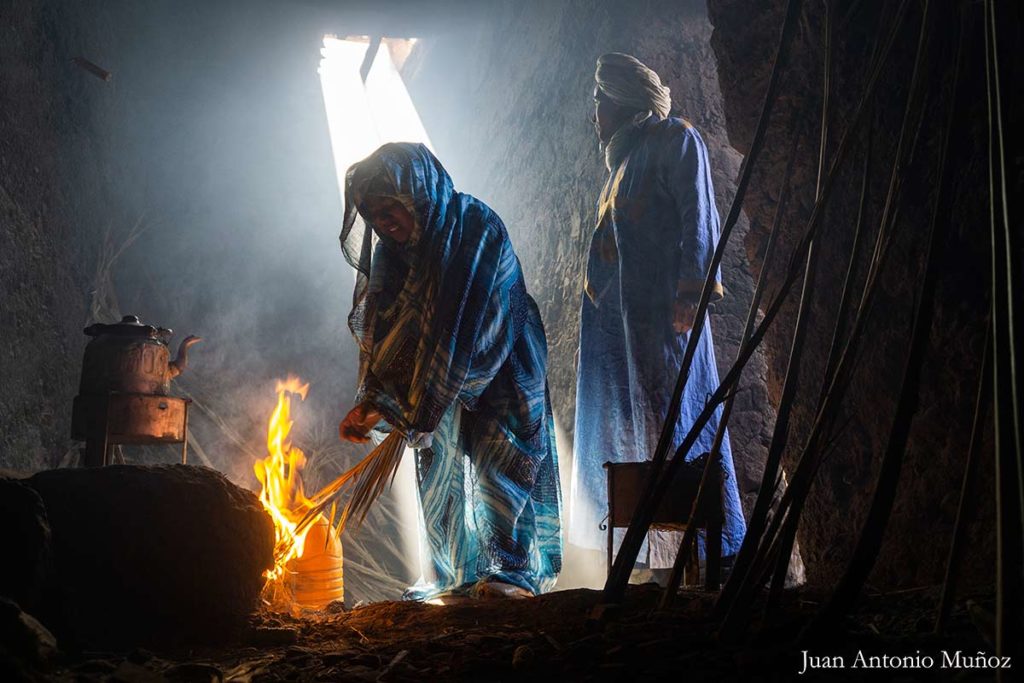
629,83
406,172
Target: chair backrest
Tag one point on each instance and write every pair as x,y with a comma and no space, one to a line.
626,486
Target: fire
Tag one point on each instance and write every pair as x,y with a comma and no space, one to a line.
295,571
280,474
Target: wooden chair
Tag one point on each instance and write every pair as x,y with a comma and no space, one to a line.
626,485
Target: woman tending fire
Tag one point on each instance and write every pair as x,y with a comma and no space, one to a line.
453,362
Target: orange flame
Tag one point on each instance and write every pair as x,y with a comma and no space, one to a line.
299,580
280,474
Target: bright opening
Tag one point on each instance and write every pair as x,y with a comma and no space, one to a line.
361,116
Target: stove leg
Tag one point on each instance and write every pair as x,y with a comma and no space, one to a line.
184,438
93,453
106,436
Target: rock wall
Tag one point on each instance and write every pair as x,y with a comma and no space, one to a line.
44,264
744,40
128,555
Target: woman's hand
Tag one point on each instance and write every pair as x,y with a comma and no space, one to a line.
683,313
358,423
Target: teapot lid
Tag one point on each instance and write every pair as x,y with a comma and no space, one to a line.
130,326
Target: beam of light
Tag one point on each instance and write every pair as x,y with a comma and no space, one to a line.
581,568
353,133
360,118
394,114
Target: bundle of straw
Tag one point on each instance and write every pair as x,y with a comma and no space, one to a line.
369,476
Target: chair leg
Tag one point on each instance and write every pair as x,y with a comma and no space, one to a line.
611,519
611,542
713,562
691,573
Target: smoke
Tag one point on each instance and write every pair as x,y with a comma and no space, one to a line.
214,129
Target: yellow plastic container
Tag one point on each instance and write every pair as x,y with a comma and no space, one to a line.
317,577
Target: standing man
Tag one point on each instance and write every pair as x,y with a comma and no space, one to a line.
657,227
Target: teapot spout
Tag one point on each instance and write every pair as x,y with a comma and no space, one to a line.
180,364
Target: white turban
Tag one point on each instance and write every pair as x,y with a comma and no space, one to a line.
629,83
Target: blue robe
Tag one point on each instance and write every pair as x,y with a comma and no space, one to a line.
453,354
656,232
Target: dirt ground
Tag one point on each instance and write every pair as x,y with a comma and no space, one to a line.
545,638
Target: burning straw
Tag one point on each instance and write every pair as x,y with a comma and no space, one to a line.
299,578
312,579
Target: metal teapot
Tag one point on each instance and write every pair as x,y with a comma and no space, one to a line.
130,357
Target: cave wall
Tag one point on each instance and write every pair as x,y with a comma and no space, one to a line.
744,41
43,269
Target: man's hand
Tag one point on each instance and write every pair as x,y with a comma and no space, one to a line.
683,313
358,423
